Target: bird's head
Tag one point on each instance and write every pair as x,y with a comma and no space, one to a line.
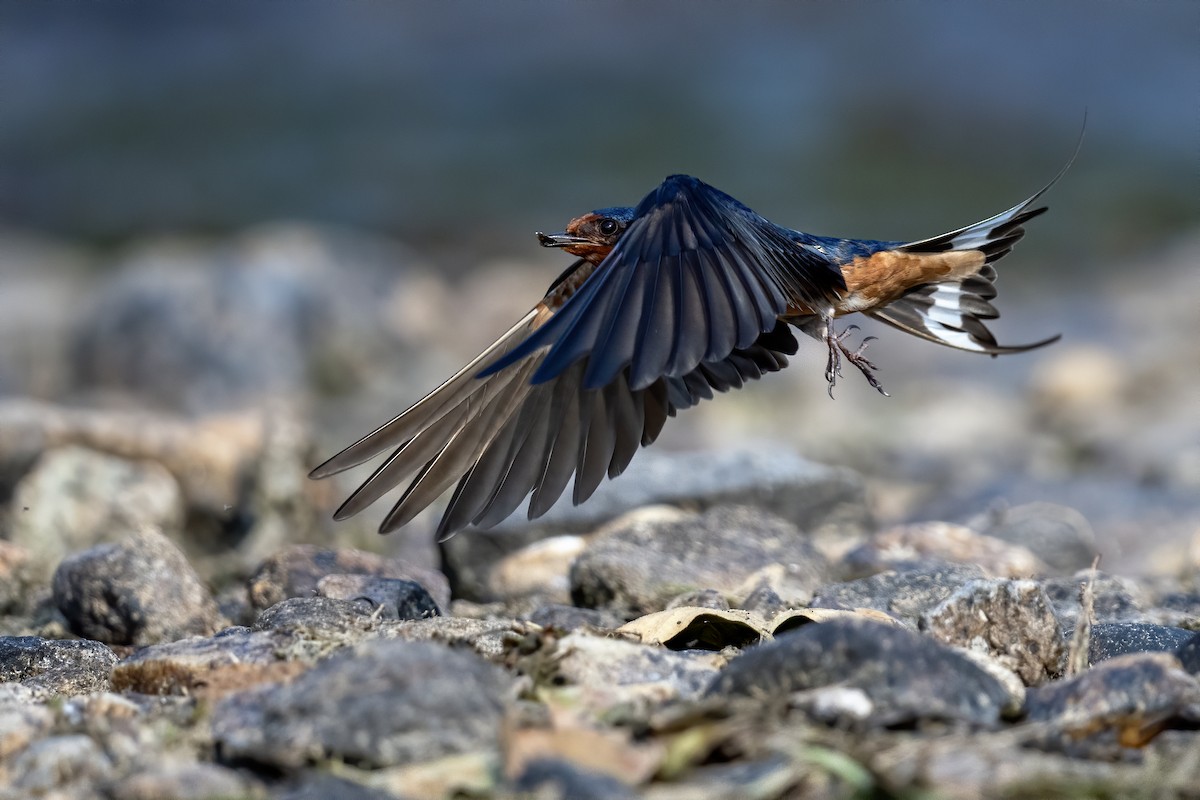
593,235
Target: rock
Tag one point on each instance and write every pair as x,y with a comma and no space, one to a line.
1012,621
139,591
570,618
1114,599
385,703
20,726
820,500
1060,536
231,661
906,595
72,761
490,639
295,571
540,568
185,781
700,598
639,568
74,498
558,779
922,541
1189,654
242,474
56,667
1112,639
611,672
763,601
906,676
314,614
387,598
317,785
1123,701
15,578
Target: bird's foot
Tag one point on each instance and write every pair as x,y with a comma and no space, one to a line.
838,349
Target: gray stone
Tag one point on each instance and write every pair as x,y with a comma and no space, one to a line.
905,676
1012,621
15,578
317,785
383,704
905,595
21,724
820,500
1059,535
556,779
234,659
139,591
638,568
1114,599
57,667
387,598
570,618
58,762
1111,639
74,498
904,544
624,672
313,613
1124,701
181,780
295,571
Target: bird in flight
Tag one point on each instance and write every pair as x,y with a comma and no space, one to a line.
687,294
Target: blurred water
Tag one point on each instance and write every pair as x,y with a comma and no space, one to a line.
462,126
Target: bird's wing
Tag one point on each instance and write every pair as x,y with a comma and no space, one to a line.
952,312
696,276
502,437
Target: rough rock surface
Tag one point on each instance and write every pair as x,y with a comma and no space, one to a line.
389,703
138,591
906,595
56,667
642,566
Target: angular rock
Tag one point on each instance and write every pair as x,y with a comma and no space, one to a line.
181,780
639,568
74,498
1124,701
904,544
318,785
295,571
386,598
820,500
490,638
1012,621
1189,654
558,779
1112,639
1114,599
700,598
56,666
383,704
906,676
569,618
905,595
139,591
231,661
541,568
613,671
15,577
72,761
314,614
1059,535
20,726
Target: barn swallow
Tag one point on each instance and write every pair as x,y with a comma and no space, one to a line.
686,294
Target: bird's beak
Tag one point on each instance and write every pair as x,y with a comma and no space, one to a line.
559,239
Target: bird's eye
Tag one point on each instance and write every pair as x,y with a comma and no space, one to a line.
608,226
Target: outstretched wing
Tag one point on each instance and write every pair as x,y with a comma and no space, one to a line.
952,312
696,276
500,438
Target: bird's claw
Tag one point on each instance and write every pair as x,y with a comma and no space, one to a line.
837,349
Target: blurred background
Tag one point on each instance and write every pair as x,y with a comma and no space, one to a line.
328,207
